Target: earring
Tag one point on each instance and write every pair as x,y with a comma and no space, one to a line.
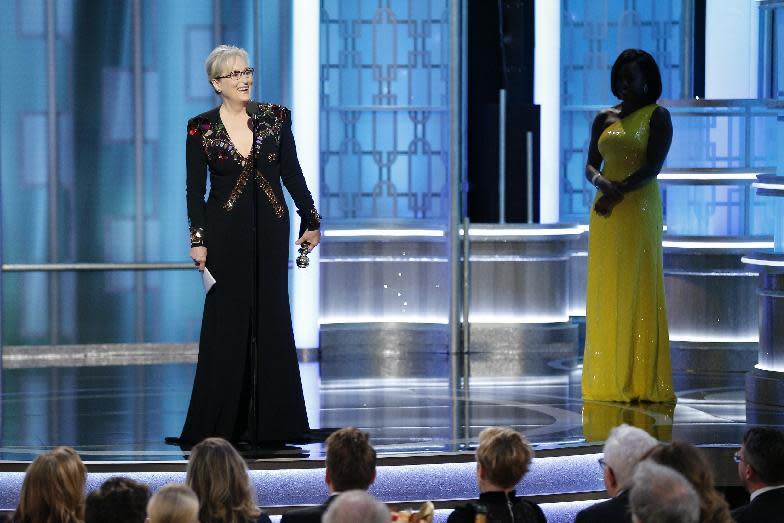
645,88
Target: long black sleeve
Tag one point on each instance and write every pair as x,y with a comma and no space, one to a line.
196,182
294,180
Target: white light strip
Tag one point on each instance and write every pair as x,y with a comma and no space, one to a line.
766,263
547,92
768,186
522,319
675,244
383,259
305,65
708,176
716,339
562,231
777,368
443,320
391,233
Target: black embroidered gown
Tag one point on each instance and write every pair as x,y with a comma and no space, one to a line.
239,394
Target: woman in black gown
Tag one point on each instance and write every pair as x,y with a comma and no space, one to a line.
242,393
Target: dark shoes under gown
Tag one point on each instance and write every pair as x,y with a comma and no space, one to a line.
242,394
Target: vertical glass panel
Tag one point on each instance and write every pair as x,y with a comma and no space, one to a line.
115,173
384,161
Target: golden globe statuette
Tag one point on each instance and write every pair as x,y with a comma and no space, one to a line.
302,259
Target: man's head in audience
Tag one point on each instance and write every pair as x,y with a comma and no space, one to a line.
662,495
356,505
623,450
351,461
120,500
502,459
761,458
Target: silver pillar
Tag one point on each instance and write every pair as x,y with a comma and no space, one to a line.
217,22
765,383
687,51
53,157
138,156
458,371
456,129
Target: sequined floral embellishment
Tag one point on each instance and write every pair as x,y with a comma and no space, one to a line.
273,157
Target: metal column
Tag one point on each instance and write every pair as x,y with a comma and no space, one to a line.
53,178
138,156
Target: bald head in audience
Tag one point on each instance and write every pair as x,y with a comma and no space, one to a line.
356,505
662,495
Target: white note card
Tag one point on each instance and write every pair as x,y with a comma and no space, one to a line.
207,280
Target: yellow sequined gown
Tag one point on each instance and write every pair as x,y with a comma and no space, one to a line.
627,352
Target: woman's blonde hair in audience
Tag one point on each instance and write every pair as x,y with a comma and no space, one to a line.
219,477
173,504
53,489
504,455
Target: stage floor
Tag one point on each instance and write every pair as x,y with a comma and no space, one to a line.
416,404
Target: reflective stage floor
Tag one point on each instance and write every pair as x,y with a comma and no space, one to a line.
420,404
423,412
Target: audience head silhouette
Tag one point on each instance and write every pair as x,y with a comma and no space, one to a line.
351,460
174,504
219,477
662,495
502,459
53,489
689,461
356,505
118,500
761,458
623,450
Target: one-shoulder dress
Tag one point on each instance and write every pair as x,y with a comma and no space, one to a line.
627,352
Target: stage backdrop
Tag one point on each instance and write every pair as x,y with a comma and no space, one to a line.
94,99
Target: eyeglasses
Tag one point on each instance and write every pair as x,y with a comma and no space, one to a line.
236,75
602,463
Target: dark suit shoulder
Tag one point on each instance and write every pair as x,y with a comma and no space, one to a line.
263,518
305,515
463,513
765,507
610,511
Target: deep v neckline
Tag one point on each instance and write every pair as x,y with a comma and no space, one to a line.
231,141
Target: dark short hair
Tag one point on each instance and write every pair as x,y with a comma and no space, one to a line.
763,449
351,460
118,500
647,65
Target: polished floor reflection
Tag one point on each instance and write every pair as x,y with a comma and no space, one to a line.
422,403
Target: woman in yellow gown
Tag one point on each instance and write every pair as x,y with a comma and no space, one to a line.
627,354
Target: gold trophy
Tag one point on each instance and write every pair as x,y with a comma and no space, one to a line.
302,259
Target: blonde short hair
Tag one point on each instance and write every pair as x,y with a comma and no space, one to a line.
504,455
219,59
174,504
